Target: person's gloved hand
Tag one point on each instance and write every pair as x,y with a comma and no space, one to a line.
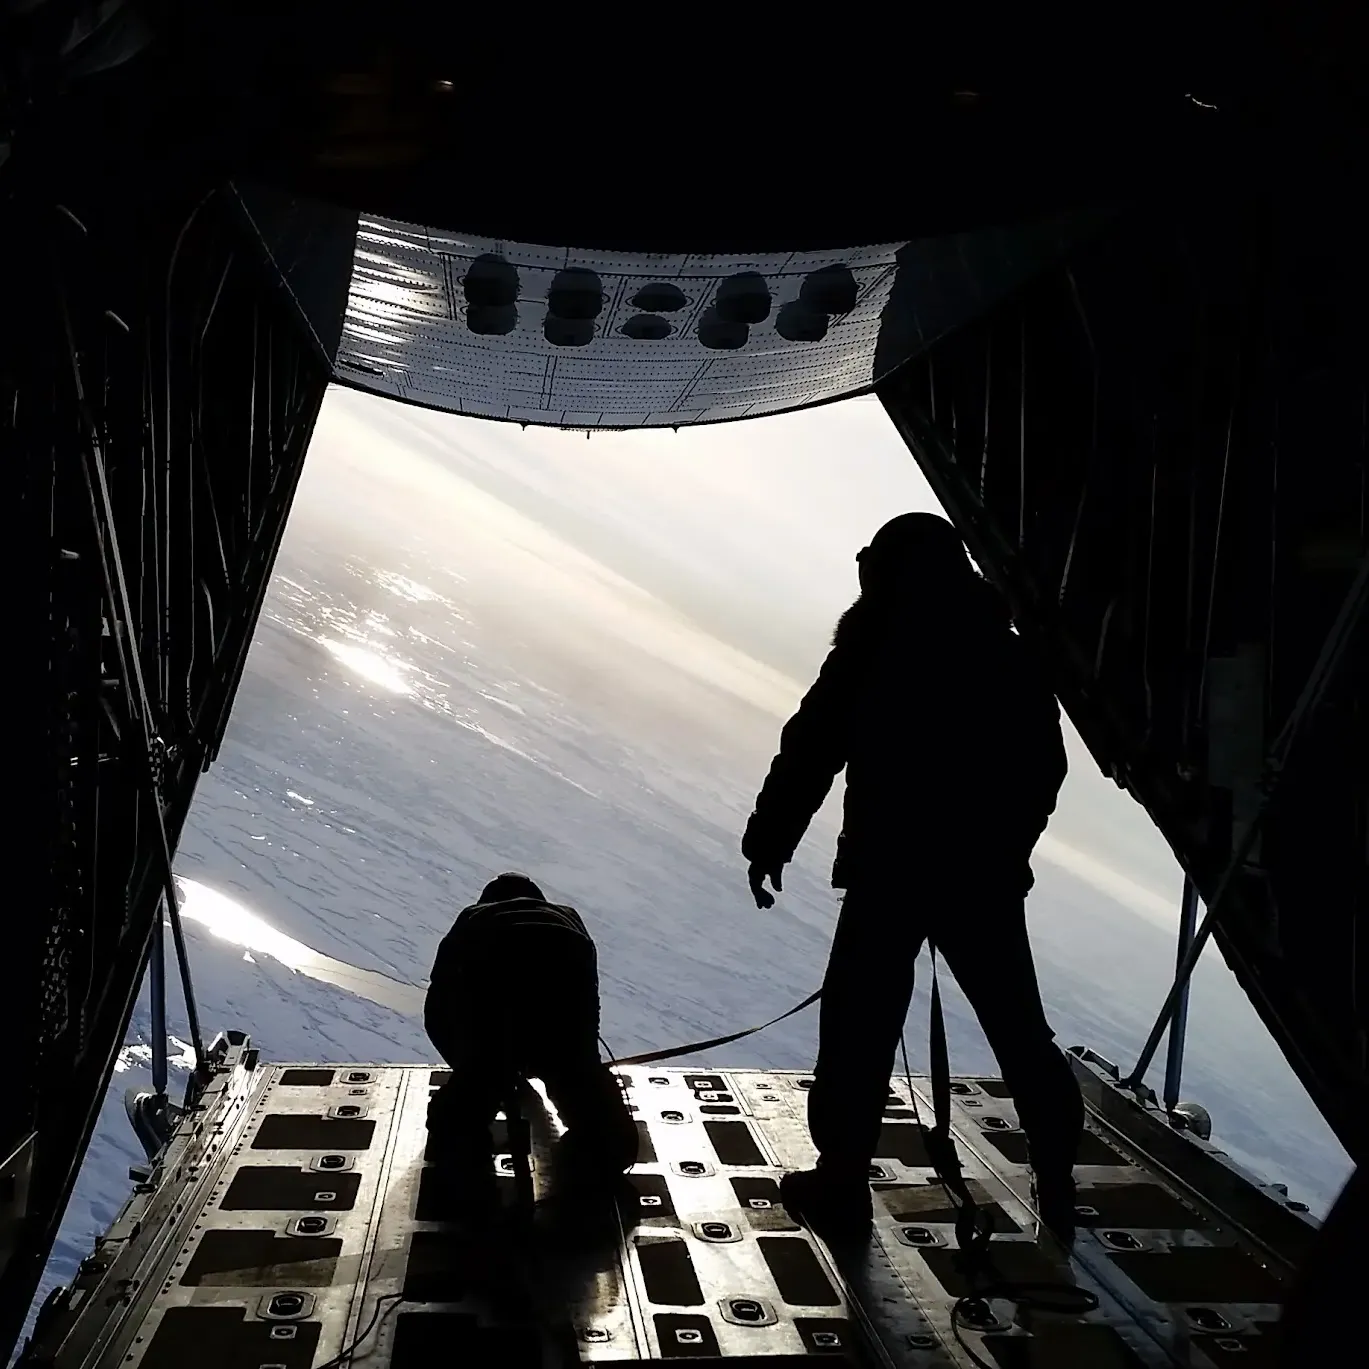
757,874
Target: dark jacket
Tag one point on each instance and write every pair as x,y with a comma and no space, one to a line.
949,736
521,976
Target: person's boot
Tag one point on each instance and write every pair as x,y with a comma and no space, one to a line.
601,1141
587,1205
832,1202
1053,1196
461,1152
591,1202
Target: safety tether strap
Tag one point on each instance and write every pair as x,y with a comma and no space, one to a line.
972,1227
671,1052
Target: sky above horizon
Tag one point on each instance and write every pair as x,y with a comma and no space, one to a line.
724,552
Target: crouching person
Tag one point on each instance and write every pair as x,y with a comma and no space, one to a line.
514,995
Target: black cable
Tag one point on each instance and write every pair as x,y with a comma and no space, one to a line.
696,1047
394,1299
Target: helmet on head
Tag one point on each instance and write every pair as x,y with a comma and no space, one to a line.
510,885
919,559
916,541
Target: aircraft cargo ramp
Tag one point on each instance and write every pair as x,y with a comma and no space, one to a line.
294,1222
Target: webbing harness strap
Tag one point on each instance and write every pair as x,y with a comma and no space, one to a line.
671,1052
972,1227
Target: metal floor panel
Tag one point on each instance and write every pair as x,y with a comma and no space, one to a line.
311,1217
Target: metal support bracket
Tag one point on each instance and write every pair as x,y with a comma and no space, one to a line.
1178,1027
119,615
1322,676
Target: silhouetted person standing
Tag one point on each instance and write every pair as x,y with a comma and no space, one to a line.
953,755
514,995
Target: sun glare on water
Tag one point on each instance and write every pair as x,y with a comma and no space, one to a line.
228,920
370,665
